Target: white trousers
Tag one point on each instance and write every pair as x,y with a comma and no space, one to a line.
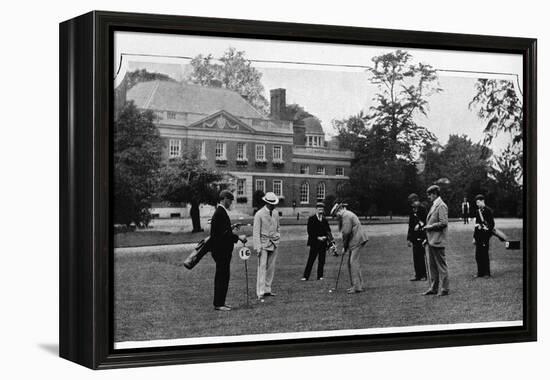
266,271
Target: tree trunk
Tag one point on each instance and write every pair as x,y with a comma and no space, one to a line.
195,217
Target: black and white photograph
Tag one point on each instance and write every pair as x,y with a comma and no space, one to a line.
271,190
275,190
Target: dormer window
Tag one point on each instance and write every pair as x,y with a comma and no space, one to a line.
314,140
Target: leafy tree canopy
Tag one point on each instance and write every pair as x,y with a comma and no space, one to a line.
497,103
142,75
186,179
234,72
137,158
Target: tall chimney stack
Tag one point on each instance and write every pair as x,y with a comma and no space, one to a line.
278,103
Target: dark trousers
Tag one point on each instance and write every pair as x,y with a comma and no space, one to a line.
221,278
465,218
418,260
482,259
315,252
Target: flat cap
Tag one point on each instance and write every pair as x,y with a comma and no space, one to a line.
433,189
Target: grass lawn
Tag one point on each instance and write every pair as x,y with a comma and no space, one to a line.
155,298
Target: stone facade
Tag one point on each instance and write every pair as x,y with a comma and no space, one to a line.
263,153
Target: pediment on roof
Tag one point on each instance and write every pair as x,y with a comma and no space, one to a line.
222,120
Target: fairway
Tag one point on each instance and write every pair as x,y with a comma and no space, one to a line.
155,298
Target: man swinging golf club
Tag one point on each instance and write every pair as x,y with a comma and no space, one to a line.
266,235
354,239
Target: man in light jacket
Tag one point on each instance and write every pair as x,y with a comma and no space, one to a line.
354,239
266,236
436,231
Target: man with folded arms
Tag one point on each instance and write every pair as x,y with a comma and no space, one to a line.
222,239
436,231
354,239
266,236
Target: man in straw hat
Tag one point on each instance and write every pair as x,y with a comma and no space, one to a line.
266,237
436,231
319,236
354,239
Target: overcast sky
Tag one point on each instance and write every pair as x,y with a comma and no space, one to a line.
322,77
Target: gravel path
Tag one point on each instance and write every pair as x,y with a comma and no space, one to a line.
299,233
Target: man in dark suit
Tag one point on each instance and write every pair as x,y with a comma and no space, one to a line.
222,239
485,224
416,237
319,236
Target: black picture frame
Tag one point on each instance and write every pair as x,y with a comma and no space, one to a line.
85,260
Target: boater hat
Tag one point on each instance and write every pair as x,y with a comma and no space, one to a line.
270,198
336,207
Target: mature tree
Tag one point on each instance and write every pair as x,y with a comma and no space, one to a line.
508,188
467,166
137,158
379,182
187,180
403,91
142,75
235,72
387,139
497,102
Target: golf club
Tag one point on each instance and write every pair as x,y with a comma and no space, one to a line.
244,254
338,276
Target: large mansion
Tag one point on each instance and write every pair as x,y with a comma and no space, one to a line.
262,153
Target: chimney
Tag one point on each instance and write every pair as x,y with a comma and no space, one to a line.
278,103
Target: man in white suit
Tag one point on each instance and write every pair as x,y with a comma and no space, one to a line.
266,236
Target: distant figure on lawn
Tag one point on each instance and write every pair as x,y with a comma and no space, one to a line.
465,207
319,237
436,231
416,237
266,236
354,239
485,223
222,239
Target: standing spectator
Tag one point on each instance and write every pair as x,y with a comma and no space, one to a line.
485,224
465,207
416,237
266,236
222,239
436,231
319,236
354,239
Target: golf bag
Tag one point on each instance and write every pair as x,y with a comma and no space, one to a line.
201,249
